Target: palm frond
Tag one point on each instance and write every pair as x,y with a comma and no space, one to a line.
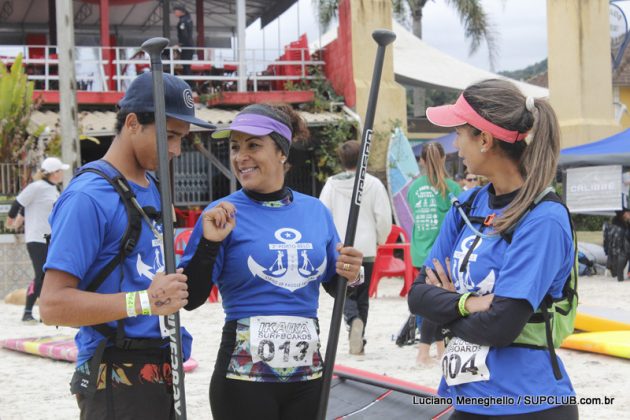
400,9
326,11
477,27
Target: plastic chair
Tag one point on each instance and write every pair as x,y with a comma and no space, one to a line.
180,245
386,265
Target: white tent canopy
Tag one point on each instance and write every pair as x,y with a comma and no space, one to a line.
416,63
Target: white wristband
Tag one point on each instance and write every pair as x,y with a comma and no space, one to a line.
359,280
144,302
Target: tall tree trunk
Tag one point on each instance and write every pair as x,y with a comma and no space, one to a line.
416,16
419,93
416,6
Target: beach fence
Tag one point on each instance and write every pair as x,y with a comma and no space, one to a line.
15,266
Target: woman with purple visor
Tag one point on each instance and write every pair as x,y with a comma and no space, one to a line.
499,278
268,249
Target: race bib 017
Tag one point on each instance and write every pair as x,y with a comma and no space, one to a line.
283,341
464,362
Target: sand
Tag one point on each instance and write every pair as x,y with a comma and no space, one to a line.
37,388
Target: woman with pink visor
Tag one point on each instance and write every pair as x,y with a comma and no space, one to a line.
504,254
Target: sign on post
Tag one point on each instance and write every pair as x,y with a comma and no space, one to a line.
594,189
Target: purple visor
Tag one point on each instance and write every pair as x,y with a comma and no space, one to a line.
256,125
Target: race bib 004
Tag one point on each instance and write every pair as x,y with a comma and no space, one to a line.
283,341
464,362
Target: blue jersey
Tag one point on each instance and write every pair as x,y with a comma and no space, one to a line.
274,260
88,223
537,262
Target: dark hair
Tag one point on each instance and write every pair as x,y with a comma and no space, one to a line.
144,118
348,154
503,104
286,115
433,156
181,8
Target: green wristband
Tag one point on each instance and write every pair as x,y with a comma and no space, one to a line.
130,299
461,305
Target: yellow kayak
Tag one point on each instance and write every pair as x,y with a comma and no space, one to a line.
599,318
611,343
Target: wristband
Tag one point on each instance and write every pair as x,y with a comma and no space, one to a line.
461,305
144,302
359,280
130,298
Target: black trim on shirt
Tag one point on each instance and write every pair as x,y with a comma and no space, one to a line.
281,194
199,273
16,208
500,201
434,303
497,327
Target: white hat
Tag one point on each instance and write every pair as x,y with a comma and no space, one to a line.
53,164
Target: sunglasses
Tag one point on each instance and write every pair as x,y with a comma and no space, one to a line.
471,179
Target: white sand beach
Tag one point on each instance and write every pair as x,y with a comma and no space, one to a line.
37,388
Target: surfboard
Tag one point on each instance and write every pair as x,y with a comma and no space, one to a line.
402,169
598,318
611,343
59,347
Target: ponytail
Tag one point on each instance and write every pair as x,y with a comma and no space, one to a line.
503,104
433,156
39,175
538,164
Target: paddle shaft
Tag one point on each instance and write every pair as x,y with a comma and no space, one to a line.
154,47
382,38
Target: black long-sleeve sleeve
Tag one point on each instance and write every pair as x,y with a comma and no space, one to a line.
497,327
16,208
199,271
434,303
331,286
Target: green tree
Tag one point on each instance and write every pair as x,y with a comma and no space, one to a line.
16,107
477,26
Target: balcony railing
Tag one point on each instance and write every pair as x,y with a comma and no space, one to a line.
100,69
10,179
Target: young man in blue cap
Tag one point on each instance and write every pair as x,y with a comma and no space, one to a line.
105,269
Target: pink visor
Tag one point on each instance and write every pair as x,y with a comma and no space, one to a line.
462,113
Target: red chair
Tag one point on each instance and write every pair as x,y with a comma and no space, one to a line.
180,245
386,265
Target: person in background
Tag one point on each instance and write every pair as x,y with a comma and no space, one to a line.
36,201
268,249
470,181
460,179
185,38
428,200
617,243
373,227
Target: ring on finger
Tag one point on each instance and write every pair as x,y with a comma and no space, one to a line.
346,267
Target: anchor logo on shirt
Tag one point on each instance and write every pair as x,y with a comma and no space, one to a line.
295,274
463,281
157,264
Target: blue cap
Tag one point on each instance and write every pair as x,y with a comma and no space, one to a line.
178,99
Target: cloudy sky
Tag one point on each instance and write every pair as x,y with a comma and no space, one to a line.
520,26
